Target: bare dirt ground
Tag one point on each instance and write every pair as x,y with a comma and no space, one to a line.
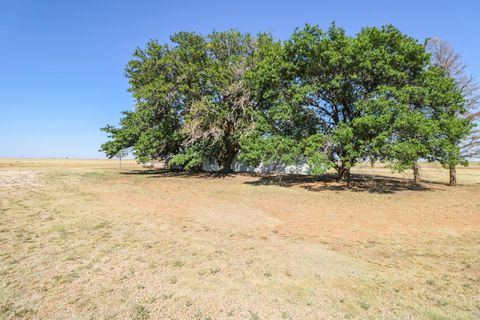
84,239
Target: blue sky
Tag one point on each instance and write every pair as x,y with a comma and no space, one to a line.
62,62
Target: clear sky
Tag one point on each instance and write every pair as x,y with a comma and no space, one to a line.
61,62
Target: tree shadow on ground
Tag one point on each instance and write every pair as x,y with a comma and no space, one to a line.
165,173
326,182
359,183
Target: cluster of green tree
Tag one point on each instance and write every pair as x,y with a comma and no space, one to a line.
323,96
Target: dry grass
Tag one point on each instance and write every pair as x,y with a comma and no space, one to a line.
87,240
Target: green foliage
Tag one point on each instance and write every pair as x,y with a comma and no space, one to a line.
368,97
416,121
321,96
190,159
335,74
314,152
193,101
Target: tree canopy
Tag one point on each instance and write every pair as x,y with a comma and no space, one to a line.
322,96
193,100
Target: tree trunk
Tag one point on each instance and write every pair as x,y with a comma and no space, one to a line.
227,161
343,173
416,173
453,176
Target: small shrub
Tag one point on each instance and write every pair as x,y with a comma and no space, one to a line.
364,305
214,270
253,316
178,264
140,312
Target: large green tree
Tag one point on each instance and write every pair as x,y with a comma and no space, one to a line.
418,121
322,96
324,78
193,102
444,56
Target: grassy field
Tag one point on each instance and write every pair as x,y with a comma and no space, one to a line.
85,239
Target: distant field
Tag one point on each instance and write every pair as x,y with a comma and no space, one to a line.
65,163
85,239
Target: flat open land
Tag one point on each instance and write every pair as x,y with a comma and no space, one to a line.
85,239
